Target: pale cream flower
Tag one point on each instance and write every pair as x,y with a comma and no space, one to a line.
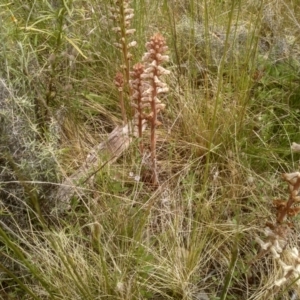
280,281
295,147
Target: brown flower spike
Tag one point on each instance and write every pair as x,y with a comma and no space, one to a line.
154,87
137,86
122,14
277,233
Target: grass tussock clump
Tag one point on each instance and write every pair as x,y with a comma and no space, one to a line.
142,146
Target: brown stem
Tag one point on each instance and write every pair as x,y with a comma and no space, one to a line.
123,111
153,134
140,129
119,82
124,42
284,212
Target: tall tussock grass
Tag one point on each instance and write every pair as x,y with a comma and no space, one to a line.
202,203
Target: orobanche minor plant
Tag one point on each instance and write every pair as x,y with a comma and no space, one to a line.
147,87
122,15
278,233
144,79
